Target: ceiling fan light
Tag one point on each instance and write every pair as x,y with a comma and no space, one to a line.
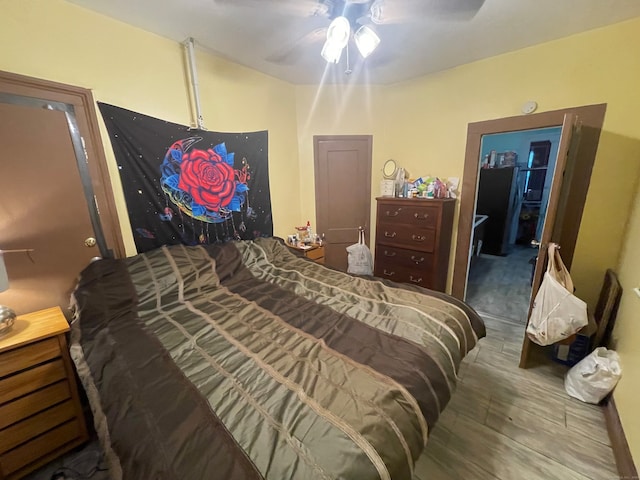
366,40
331,52
339,31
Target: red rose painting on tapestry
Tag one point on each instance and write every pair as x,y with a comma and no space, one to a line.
207,178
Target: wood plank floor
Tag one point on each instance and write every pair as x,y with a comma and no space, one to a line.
506,423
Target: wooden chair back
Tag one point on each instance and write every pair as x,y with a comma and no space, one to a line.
606,309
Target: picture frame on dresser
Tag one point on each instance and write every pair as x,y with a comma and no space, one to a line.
413,240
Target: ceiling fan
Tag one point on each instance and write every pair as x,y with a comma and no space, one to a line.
357,20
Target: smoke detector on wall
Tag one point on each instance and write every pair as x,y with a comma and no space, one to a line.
529,107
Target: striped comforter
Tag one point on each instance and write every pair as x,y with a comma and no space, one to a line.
245,361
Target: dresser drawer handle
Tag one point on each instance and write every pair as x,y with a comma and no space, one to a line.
388,213
388,274
389,235
424,216
417,260
418,238
389,254
415,280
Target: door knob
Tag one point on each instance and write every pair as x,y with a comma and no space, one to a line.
90,242
535,243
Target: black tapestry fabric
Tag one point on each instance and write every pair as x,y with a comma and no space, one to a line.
189,186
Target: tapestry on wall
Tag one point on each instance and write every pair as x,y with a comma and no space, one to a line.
189,186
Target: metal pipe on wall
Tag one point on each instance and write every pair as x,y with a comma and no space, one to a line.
191,61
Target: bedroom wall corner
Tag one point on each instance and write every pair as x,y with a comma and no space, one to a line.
338,109
626,335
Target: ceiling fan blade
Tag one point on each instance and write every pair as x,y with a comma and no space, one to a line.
298,8
291,54
402,11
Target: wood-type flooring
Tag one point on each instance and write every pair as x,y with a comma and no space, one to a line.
506,423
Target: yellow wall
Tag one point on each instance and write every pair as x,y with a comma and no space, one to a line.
627,333
128,67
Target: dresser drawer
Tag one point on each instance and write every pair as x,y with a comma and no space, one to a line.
32,354
20,457
406,236
315,253
26,382
28,405
31,427
391,271
417,215
416,260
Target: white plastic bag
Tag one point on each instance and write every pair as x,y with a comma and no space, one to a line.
591,379
557,313
359,257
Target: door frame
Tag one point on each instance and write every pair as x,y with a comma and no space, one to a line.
83,105
591,118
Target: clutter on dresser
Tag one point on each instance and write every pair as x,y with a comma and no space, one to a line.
305,236
398,183
430,187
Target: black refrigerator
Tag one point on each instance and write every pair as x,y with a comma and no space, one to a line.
498,198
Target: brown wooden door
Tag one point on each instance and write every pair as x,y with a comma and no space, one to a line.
43,202
560,191
343,192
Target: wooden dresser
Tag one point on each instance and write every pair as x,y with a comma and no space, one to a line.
413,240
40,412
313,252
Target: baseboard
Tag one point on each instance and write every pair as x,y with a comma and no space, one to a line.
621,452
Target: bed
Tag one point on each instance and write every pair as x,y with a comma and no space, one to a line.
245,361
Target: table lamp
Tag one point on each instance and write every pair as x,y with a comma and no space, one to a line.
7,316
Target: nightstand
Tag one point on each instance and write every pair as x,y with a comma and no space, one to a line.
312,251
40,412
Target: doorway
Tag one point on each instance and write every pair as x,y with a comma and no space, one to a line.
343,192
55,191
516,172
569,191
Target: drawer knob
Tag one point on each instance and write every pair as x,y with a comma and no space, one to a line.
389,213
423,216
415,280
389,254
417,260
418,238
388,274
389,235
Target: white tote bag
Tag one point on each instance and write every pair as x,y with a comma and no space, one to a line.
359,257
557,313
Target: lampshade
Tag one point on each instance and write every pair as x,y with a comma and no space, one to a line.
4,279
366,41
331,52
338,32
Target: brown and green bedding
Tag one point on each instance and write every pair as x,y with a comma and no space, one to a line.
243,360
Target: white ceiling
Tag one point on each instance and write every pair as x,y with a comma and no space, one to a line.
283,38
